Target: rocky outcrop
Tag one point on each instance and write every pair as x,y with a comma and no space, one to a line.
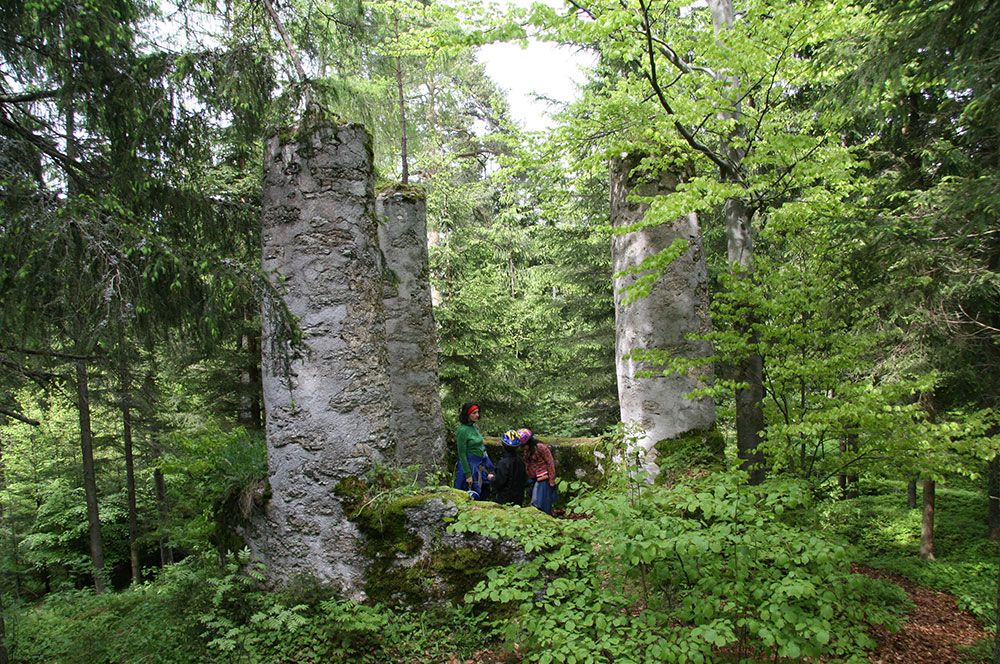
414,559
328,410
411,335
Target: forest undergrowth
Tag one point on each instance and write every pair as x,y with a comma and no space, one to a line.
706,571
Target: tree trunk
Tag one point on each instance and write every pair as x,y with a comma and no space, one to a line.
996,638
133,520
404,157
993,488
4,659
927,523
89,476
739,240
250,412
160,488
911,494
673,316
848,482
750,418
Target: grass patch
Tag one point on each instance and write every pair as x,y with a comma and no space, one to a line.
886,535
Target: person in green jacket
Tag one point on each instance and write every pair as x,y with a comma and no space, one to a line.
474,470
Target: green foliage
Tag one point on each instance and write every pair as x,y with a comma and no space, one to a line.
887,535
214,478
197,612
683,575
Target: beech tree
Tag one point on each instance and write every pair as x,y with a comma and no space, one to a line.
717,89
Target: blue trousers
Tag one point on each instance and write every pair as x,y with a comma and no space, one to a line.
543,496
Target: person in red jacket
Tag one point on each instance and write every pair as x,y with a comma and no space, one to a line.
541,469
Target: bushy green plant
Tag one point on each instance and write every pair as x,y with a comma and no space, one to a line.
706,571
199,613
211,474
153,622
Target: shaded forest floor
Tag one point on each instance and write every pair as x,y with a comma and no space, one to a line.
934,632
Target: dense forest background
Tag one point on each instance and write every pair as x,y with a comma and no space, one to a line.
847,150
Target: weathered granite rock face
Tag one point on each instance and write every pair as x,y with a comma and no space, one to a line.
677,307
410,331
328,418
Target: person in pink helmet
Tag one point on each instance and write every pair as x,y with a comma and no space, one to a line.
541,468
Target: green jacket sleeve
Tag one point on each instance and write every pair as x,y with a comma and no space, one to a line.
462,440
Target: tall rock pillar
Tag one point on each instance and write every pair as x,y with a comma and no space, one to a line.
677,306
410,331
328,411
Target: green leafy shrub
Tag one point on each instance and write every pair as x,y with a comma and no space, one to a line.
155,622
211,476
198,613
700,573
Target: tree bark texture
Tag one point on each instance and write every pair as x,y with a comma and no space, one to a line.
328,411
411,335
89,476
676,309
133,519
927,522
993,489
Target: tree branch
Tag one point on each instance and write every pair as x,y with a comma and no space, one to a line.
18,416
47,353
73,167
28,96
292,52
728,169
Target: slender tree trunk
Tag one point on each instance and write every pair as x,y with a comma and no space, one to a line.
133,520
911,494
739,239
927,523
848,482
250,412
404,157
4,658
166,551
996,638
993,488
159,483
89,475
293,53
842,477
160,488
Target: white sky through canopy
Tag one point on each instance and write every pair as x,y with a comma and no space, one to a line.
541,68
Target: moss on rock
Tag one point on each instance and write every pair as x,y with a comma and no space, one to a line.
703,448
413,560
